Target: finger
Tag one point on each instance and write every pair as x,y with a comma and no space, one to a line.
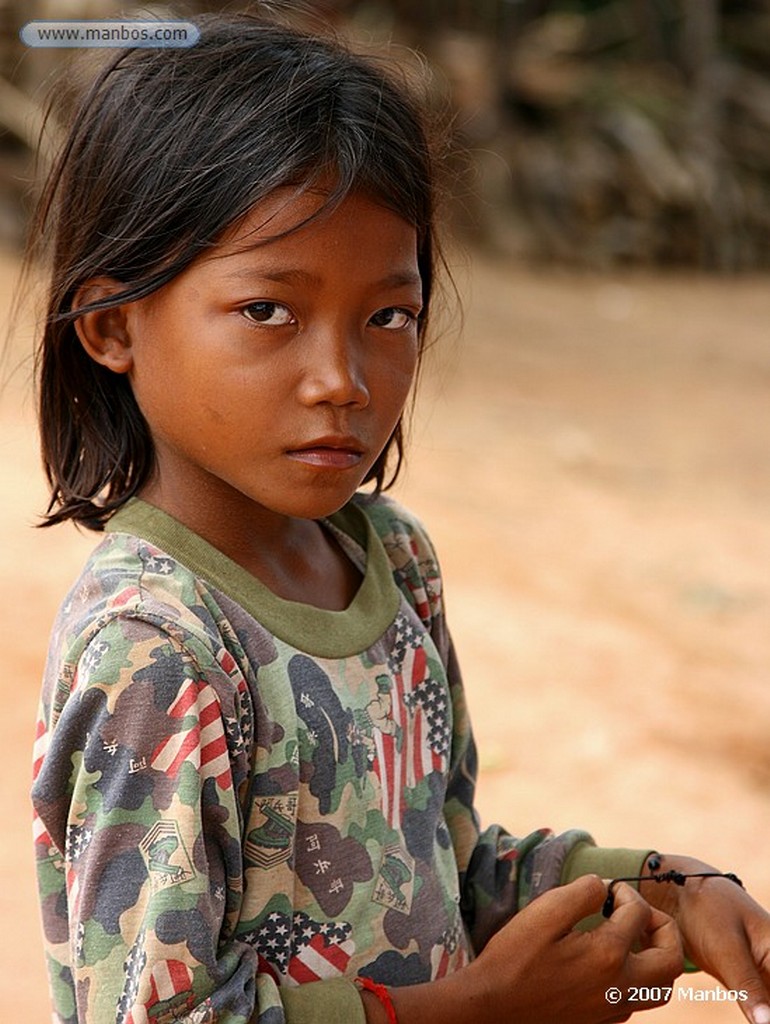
560,909
631,915
760,1013
659,958
662,956
741,975
662,932
659,955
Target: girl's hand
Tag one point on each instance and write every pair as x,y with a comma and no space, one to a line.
725,932
538,969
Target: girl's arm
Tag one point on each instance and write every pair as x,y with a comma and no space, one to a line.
138,837
725,932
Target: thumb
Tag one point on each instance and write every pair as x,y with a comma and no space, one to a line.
740,974
756,1006
562,908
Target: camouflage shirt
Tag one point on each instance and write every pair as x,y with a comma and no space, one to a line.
242,802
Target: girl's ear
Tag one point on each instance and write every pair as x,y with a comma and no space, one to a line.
103,333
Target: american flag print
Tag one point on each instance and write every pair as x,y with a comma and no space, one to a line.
203,743
40,834
170,995
451,954
132,973
78,838
296,949
420,742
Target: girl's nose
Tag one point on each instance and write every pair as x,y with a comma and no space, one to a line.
335,371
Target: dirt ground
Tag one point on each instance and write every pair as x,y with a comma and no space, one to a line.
592,456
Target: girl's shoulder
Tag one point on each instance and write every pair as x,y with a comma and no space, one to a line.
127,580
397,526
126,574
138,639
409,549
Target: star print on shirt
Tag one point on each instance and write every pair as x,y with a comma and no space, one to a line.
300,949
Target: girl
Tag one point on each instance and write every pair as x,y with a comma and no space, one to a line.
254,768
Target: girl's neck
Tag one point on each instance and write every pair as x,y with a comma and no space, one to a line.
297,559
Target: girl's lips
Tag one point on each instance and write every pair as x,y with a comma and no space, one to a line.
327,457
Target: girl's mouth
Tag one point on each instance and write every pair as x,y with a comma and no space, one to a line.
329,452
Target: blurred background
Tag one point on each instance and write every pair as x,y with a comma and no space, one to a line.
595,132
591,442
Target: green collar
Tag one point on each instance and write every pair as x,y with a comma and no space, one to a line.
315,631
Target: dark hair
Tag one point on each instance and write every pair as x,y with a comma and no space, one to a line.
168,149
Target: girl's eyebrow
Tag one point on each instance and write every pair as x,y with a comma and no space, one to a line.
398,279
288,276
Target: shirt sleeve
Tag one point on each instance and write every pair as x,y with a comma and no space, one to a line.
499,873
139,850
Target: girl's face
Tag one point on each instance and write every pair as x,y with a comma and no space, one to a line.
273,375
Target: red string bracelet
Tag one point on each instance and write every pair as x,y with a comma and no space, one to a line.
382,994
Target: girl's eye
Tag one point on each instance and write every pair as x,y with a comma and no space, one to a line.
393,318
271,314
